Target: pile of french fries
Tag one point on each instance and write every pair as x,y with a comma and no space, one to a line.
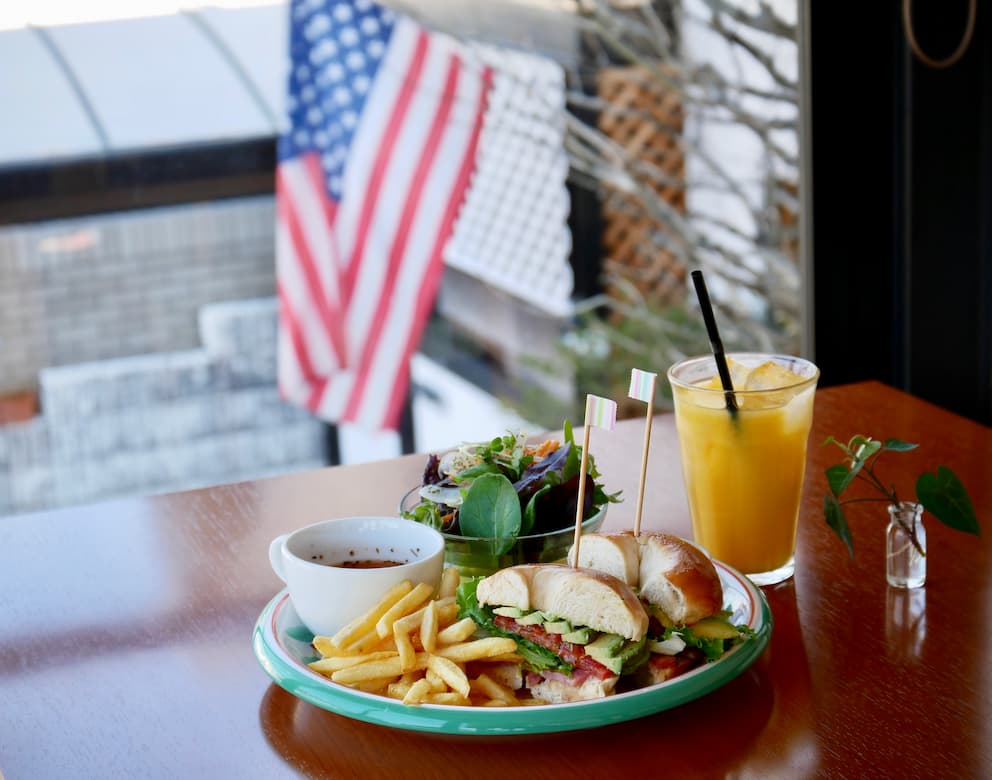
411,646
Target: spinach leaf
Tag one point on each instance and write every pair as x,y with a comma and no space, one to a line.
491,508
530,511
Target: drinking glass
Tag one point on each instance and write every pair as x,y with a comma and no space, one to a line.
744,468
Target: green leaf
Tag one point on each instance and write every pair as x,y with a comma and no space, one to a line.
491,508
530,511
838,477
895,445
477,470
861,448
943,496
833,512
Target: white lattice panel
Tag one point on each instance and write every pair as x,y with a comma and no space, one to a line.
512,230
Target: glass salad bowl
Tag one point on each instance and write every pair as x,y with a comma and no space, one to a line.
475,556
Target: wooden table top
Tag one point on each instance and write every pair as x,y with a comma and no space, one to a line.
125,635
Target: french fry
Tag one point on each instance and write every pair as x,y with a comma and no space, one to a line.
428,628
446,614
408,656
376,685
456,632
438,685
398,689
449,697
487,686
414,649
365,643
326,647
334,663
419,691
364,623
450,672
450,580
372,669
477,649
513,658
407,604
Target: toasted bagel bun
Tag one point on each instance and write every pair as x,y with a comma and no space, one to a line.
679,577
583,597
616,554
672,573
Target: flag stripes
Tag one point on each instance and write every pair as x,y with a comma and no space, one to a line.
642,385
601,412
362,225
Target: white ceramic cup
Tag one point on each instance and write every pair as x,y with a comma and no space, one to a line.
328,597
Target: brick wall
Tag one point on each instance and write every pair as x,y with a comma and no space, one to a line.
108,286
160,422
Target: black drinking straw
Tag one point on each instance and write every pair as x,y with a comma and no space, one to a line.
715,343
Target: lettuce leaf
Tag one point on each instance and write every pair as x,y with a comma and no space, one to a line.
712,648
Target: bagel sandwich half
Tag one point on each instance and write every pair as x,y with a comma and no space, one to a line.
576,629
681,591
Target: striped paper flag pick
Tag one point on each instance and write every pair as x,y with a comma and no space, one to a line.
601,412
642,385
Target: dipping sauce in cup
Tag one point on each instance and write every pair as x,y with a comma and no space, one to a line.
337,569
744,470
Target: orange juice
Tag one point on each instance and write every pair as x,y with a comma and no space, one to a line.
744,470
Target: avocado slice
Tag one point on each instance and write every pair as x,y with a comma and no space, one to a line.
612,662
532,618
580,636
606,645
510,612
714,628
558,627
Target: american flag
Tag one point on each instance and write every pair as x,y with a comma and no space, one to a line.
384,123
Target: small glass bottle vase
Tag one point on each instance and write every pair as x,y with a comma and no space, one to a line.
905,566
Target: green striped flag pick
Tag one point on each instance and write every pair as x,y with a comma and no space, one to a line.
601,412
642,385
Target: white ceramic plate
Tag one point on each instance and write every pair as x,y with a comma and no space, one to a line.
282,646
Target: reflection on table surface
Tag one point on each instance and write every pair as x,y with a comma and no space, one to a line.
126,640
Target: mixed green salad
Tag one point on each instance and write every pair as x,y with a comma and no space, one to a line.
506,488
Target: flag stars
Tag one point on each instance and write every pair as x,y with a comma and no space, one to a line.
349,36
323,51
342,12
349,119
355,60
375,49
369,25
318,26
334,72
342,96
361,84
315,116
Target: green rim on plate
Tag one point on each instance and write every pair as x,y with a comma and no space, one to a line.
282,646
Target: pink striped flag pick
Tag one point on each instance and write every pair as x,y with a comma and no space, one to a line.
642,385
601,412
642,388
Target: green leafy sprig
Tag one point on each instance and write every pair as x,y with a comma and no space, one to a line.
942,494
